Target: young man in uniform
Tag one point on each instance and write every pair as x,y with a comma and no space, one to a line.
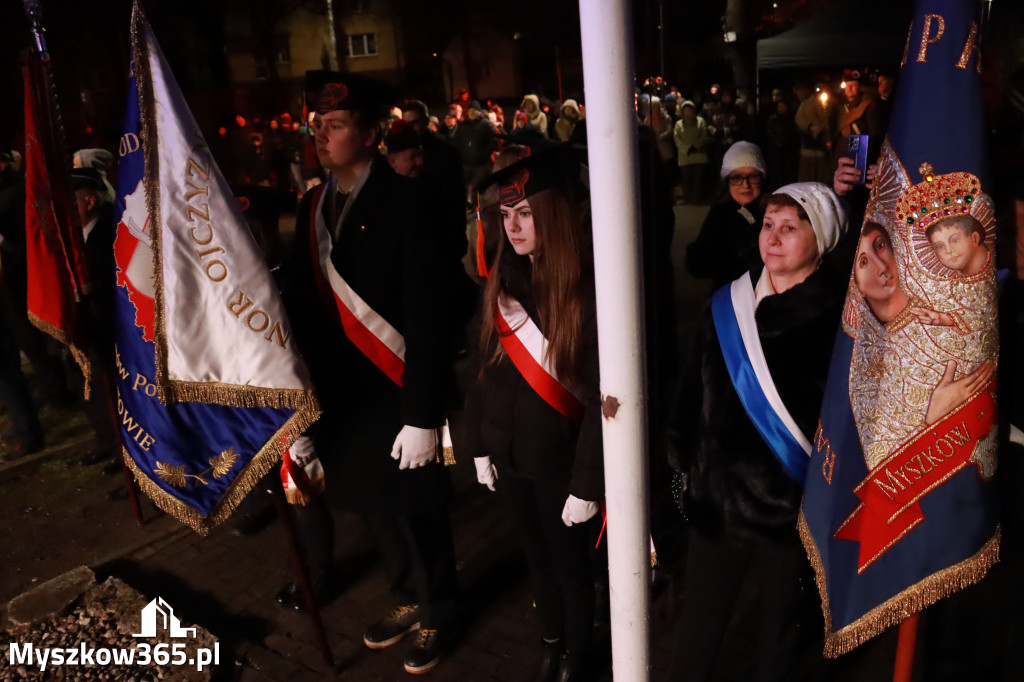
368,300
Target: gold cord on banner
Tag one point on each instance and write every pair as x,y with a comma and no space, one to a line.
898,608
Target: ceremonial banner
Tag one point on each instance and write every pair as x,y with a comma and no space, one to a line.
210,389
54,245
898,509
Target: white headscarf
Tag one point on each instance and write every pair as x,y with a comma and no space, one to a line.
824,208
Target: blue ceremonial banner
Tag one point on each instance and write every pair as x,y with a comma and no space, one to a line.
899,509
210,389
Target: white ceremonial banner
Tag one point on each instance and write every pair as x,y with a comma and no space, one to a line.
220,320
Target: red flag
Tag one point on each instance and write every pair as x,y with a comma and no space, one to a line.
54,244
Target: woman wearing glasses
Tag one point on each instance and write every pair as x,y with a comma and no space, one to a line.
727,244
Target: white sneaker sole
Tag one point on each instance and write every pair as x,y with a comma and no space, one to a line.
393,640
423,668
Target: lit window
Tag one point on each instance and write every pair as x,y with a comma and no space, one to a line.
362,45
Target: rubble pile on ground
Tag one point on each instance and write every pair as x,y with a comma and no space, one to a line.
71,613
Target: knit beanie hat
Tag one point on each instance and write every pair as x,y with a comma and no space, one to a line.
743,155
824,208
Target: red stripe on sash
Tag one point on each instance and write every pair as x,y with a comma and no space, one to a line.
362,338
546,386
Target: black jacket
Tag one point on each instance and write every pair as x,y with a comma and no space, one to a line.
391,255
735,486
727,244
509,422
102,269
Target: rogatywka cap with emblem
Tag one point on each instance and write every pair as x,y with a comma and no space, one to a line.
334,91
537,170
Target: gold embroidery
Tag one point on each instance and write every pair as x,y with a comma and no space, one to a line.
178,475
970,47
263,461
926,38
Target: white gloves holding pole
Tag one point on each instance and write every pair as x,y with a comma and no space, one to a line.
415,447
577,510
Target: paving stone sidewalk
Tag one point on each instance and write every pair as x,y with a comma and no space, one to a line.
226,583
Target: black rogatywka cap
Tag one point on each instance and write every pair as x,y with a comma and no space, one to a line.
334,91
540,169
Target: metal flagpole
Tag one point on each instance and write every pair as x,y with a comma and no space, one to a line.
606,29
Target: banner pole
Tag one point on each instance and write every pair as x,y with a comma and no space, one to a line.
129,482
57,155
294,553
903,670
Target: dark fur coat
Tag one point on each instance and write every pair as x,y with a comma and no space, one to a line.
733,485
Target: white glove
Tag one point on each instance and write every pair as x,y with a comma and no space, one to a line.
415,447
486,474
577,510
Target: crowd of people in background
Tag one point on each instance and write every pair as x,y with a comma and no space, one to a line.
801,130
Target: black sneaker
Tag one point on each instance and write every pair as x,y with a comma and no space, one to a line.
426,651
403,619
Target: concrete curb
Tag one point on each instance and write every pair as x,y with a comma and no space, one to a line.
24,466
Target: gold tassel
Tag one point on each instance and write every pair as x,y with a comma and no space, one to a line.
296,496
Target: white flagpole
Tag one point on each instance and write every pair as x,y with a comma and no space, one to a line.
606,28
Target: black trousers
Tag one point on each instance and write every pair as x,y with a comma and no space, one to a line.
716,572
559,556
419,561
14,392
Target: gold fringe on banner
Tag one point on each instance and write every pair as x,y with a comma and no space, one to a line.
898,608
240,396
264,460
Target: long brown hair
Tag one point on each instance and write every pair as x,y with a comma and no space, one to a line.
554,281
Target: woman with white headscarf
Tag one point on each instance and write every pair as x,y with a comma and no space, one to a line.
740,434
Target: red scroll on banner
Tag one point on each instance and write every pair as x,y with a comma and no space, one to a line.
891,494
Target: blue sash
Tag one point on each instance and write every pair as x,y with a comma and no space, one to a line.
732,308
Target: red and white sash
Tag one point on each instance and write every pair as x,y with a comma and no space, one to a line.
527,349
381,343
374,336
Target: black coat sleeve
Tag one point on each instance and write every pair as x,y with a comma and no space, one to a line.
427,316
588,465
